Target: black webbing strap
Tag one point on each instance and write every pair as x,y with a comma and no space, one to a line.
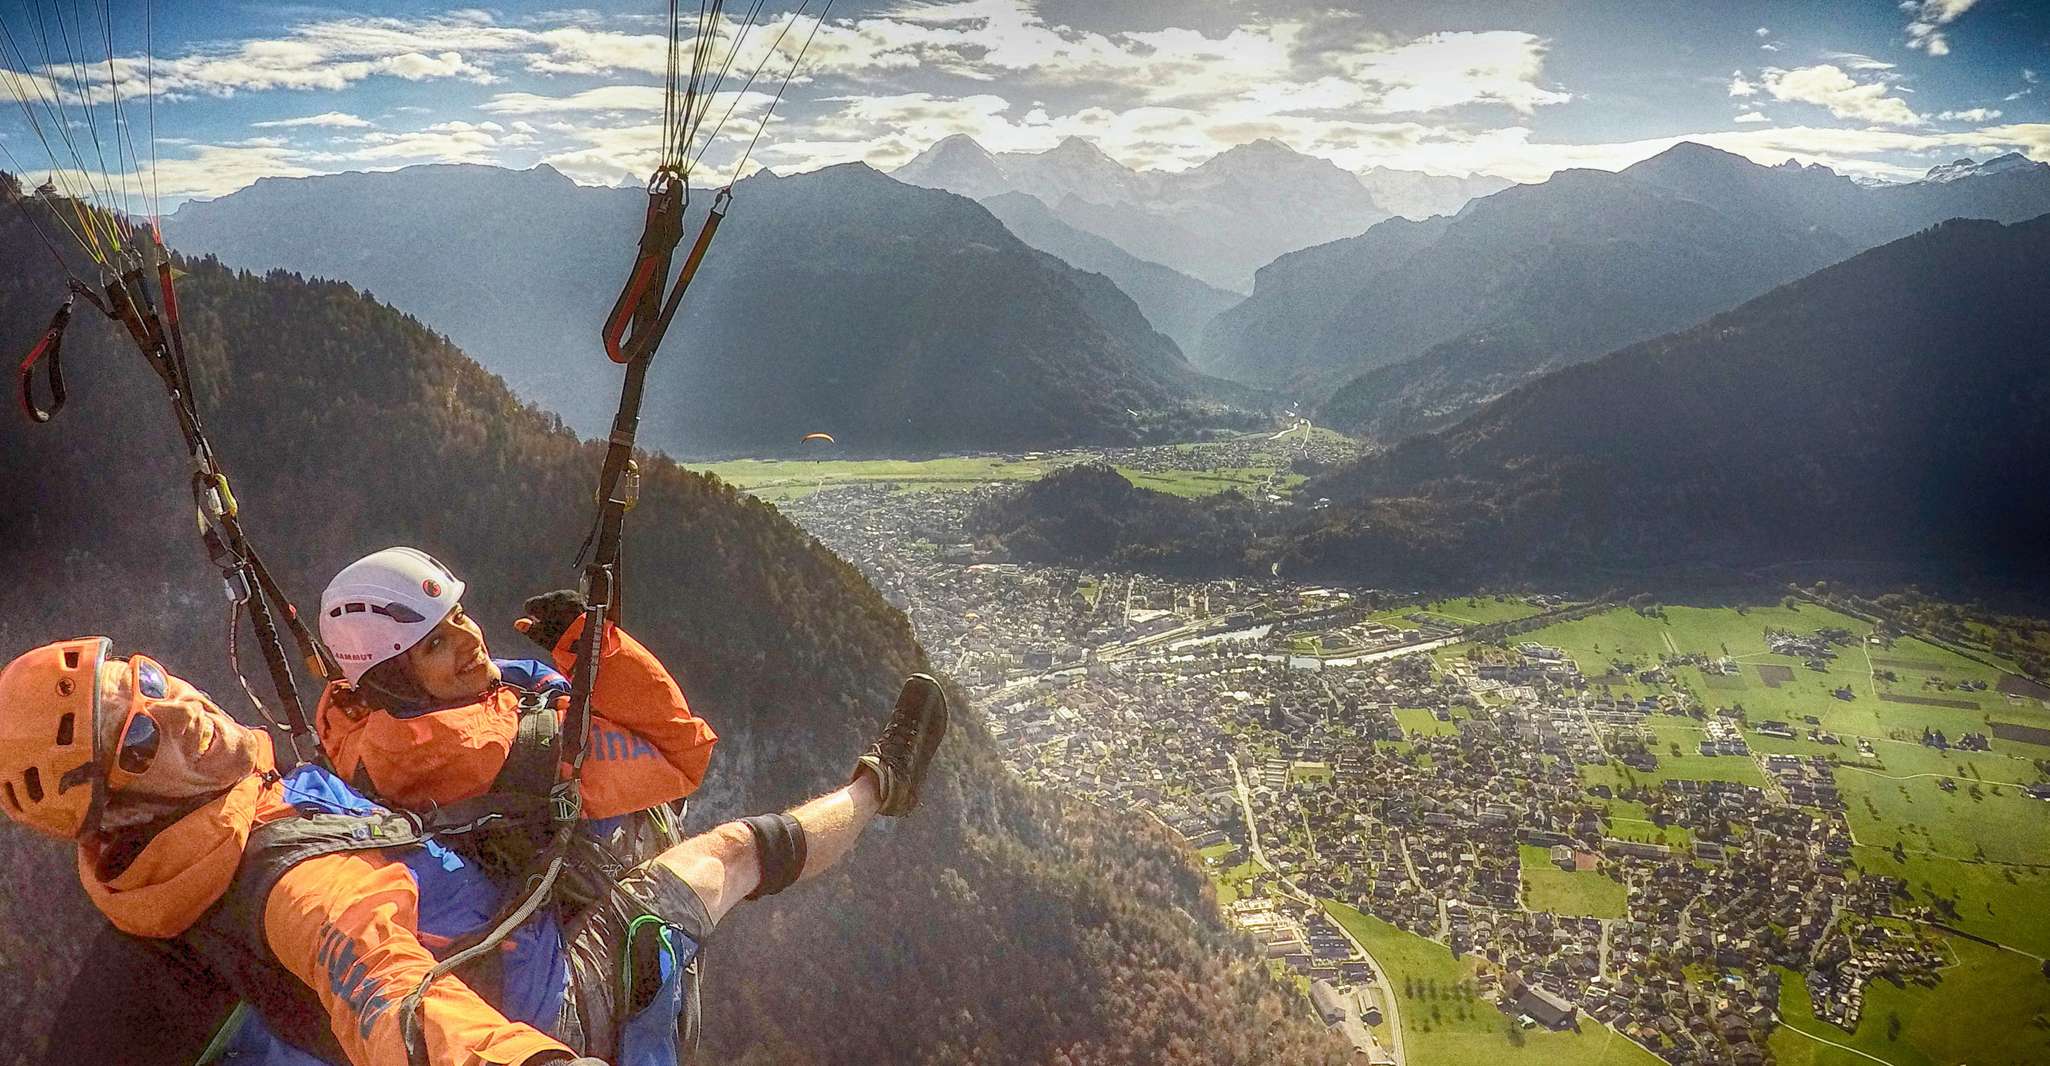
532,762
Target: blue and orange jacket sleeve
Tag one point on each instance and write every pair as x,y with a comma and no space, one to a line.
345,925
646,745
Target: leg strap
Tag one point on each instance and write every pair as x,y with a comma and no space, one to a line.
779,848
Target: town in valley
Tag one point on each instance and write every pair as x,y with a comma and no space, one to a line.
1540,827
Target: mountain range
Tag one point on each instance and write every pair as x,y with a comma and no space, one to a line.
1410,325
348,427
1893,408
901,320
1218,222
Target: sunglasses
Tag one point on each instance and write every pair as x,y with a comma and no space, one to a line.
140,736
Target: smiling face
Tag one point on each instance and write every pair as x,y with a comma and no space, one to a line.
452,662
199,750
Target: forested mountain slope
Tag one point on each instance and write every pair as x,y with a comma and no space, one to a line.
998,925
902,320
1894,408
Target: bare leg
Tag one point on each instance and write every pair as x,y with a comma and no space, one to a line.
721,865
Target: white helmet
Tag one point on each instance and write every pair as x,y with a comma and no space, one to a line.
382,604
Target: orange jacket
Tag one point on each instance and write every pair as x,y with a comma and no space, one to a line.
647,748
343,924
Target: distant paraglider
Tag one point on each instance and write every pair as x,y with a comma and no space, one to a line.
814,443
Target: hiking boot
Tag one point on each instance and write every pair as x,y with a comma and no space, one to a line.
900,756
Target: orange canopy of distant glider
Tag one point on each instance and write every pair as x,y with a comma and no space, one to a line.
827,437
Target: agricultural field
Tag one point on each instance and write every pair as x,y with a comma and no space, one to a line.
1444,1024
2003,903
1988,1009
1624,634
1417,721
1248,480
1690,765
1578,894
2001,824
1631,821
1465,611
779,480
1923,678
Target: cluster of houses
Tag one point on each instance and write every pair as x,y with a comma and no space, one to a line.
1122,690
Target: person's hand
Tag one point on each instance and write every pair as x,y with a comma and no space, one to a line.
549,615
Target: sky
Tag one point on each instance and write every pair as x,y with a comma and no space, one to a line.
240,91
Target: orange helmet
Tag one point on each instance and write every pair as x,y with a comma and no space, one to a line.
49,737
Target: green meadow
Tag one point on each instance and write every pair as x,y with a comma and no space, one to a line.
1589,894
1986,1011
1444,1025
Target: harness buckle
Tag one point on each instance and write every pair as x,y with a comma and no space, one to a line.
566,801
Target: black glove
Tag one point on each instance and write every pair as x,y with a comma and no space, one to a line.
549,615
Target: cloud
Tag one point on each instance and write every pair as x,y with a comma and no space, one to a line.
1829,87
623,98
1443,70
1751,116
1857,61
445,142
1762,31
1976,114
1740,86
331,119
1925,27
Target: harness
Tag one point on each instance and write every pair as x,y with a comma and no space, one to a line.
230,940
231,944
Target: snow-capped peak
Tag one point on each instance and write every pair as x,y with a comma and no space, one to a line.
1960,169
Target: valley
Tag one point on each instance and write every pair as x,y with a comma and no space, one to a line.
1518,827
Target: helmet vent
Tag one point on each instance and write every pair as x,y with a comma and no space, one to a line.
34,780
398,612
71,658
65,726
11,801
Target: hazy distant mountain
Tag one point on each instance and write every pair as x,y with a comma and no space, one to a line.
1414,194
1960,169
1074,167
1218,222
1175,304
1563,270
900,319
1890,408
1542,276
959,165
